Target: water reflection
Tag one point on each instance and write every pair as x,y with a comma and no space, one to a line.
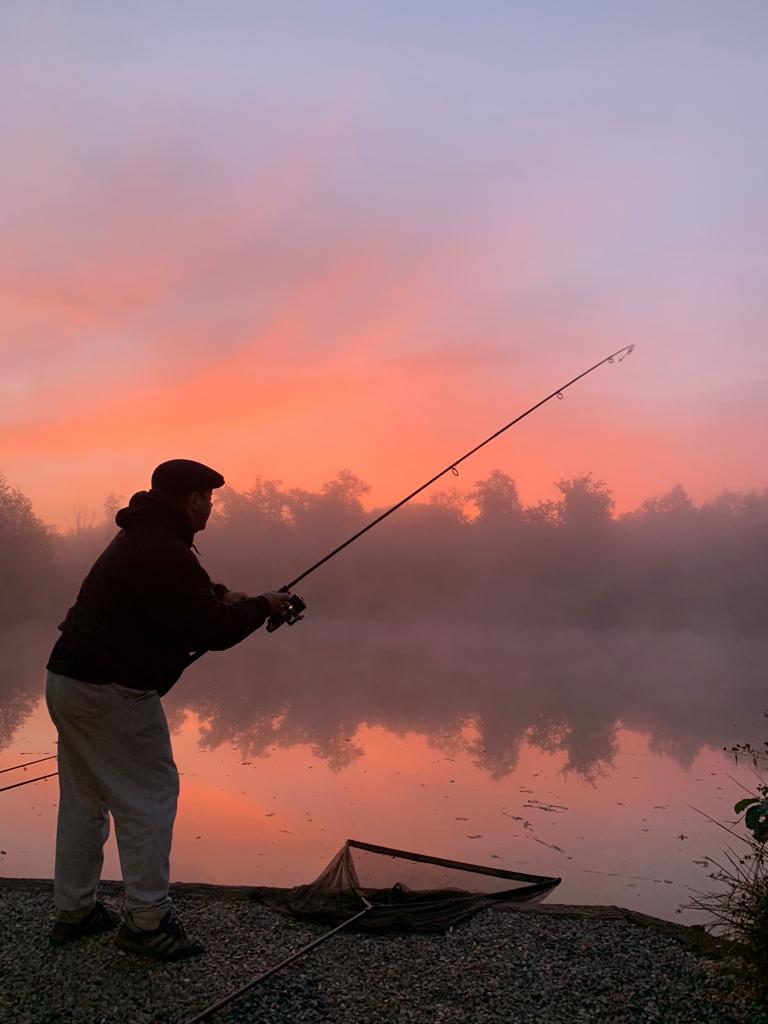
484,691
24,650
478,744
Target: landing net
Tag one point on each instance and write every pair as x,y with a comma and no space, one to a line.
408,891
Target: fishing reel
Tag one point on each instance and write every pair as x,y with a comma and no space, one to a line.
289,614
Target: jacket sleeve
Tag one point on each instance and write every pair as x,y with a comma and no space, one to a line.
184,607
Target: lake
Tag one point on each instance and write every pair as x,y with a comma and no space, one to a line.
562,752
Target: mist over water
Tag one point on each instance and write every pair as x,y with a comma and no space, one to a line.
484,690
560,690
483,632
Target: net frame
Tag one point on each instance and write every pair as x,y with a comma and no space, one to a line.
337,893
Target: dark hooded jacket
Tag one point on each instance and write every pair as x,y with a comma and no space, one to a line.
147,605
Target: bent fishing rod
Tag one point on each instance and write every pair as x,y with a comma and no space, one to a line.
291,612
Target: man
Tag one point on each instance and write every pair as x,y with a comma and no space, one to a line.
145,608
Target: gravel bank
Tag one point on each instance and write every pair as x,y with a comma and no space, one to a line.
499,968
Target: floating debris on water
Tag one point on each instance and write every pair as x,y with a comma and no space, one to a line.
551,846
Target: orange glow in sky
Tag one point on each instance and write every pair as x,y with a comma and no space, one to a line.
375,271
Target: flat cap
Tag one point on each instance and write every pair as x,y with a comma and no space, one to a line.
183,476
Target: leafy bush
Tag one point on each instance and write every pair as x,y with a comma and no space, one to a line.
756,818
739,909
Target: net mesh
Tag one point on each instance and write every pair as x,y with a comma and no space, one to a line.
408,891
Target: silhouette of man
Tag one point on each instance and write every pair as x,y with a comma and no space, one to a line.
144,609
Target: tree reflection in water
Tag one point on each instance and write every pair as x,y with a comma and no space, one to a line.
486,691
553,624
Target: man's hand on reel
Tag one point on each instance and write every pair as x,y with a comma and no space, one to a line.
277,600
289,610
283,607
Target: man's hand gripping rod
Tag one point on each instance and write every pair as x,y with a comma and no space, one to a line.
291,612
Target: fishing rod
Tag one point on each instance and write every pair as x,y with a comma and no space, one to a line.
27,763
291,611
28,782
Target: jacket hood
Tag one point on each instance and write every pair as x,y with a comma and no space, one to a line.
146,509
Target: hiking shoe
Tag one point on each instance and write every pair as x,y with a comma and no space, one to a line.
166,942
98,919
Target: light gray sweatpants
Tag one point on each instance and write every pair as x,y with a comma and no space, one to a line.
114,757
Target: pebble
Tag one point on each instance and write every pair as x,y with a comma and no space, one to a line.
498,968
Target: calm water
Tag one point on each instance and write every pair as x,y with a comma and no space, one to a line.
555,752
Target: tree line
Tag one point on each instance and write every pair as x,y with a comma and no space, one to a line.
481,555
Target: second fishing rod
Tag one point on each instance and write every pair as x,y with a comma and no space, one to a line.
292,611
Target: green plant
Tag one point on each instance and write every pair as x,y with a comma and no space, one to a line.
738,908
756,818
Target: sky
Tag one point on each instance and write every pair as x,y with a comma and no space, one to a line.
286,239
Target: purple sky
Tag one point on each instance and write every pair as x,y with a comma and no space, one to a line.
287,238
